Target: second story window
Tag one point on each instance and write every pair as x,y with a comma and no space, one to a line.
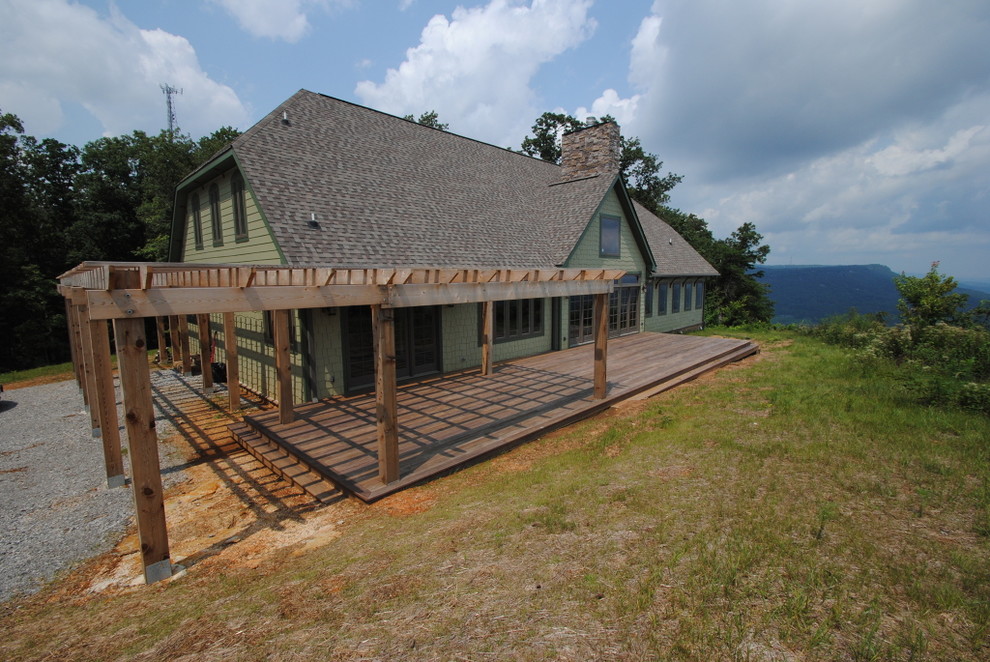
237,202
609,244
197,220
215,221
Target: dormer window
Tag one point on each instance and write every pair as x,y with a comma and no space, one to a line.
609,239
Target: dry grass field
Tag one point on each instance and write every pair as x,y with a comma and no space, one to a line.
789,507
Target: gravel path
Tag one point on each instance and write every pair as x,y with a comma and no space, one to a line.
55,507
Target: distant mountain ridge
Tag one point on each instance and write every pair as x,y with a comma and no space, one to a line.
810,293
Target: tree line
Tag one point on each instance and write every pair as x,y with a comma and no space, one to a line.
61,205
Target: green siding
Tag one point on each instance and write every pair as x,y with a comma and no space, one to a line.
259,248
255,356
586,254
328,352
461,349
674,321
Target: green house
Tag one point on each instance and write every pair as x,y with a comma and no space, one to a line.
323,182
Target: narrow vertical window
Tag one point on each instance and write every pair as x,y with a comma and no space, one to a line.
699,294
675,305
215,221
688,295
662,299
237,201
609,240
197,221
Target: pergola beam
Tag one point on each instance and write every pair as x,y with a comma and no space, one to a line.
124,304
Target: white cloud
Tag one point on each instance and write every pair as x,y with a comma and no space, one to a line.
475,68
610,103
275,19
287,20
54,53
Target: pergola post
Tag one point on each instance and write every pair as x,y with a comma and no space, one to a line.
106,403
162,350
89,374
487,336
383,330
233,371
203,322
139,416
283,365
173,332
184,345
71,323
601,345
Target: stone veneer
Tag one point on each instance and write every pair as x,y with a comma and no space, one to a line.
593,150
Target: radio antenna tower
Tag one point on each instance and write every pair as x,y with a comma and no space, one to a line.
170,92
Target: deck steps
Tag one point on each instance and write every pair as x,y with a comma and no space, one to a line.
284,464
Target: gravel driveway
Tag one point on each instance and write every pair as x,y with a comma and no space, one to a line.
55,507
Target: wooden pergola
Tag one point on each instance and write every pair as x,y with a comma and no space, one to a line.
126,293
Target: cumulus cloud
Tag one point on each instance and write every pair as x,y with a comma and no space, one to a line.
475,68
276,19
766,84
841,129
54,53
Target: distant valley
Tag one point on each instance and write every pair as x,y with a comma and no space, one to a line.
808,294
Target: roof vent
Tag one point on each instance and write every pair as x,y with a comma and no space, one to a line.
285,117
312,222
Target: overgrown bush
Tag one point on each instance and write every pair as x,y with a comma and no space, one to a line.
941,364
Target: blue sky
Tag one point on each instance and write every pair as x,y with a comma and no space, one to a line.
849,132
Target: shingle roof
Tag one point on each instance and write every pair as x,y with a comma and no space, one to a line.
390,192
674,255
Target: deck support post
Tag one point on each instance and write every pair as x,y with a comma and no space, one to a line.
601,345
383,330
487,336
184,344
203,322
283,366
233,370
173,332
162,349
106,404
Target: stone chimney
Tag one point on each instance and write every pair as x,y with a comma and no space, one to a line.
593,150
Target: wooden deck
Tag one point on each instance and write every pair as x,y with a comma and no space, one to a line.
451,420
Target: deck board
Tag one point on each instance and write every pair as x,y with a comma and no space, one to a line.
450,420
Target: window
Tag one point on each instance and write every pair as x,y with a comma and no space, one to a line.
237,202
662,299
648,293
688,295
675,305
699,295
609,240
268,329
215,220
514,320
197,221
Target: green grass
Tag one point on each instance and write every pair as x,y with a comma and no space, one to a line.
55,372
59,370
795,505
